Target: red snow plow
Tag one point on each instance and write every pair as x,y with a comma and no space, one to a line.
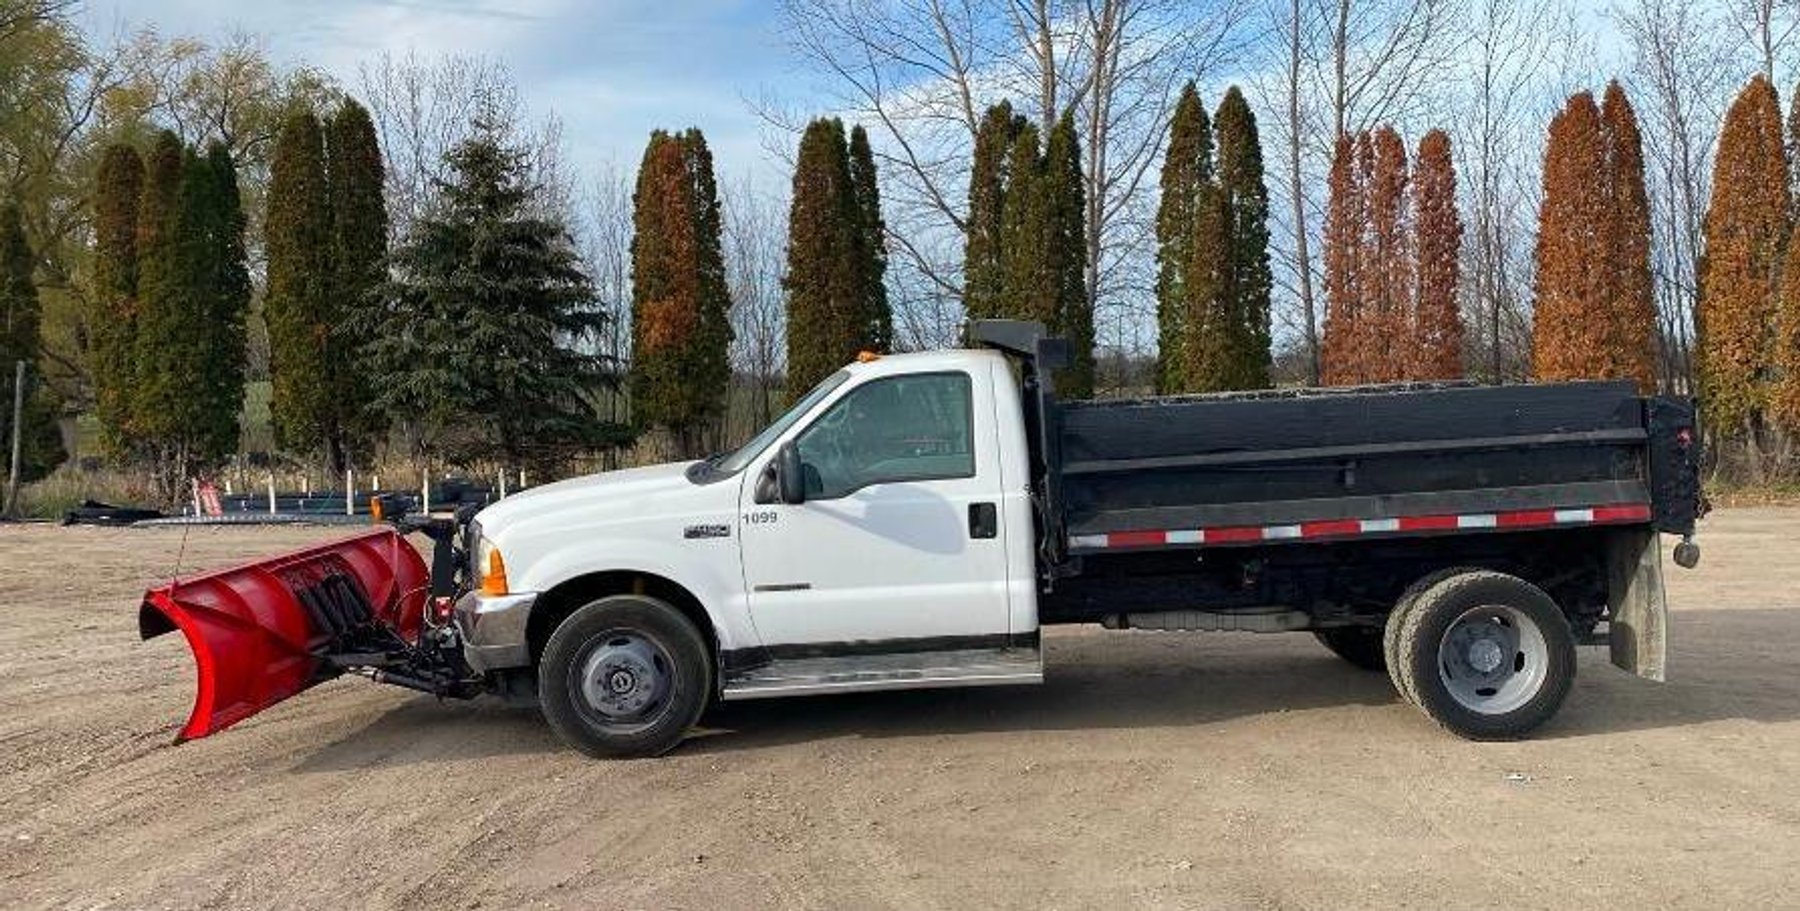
267,630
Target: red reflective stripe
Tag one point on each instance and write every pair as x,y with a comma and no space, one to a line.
1428,523
1234,535
1526,517
1135,538
1631,512
1331,527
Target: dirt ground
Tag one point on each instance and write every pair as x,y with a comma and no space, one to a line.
1151,770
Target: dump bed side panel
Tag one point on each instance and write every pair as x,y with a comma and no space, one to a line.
1430,454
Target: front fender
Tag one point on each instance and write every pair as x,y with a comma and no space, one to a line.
707,568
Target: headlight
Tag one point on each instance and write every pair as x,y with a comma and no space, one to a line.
490,569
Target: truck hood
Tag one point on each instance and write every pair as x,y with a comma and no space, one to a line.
596,497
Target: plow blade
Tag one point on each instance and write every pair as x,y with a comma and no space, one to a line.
259,632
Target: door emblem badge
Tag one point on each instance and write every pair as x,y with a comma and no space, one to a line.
707,530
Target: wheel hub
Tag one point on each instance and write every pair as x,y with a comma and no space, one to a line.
624,677
1485,655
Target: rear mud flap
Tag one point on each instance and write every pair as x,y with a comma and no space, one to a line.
260,632
1639,627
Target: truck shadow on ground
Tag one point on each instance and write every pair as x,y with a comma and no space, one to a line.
1737,664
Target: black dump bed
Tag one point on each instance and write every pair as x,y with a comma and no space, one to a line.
1425,454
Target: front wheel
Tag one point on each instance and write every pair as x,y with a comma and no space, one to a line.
624,676
1487,655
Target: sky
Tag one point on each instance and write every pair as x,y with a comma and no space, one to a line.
612,70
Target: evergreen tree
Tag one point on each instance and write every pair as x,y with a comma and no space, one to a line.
159,295
1437,330
826,285
20,340
112,319
1387,290
1248,282
1745,230
680,332
359,231
190,341
1028,286
990,178
1187,173
879,331
1572,226
300,304
1629,351
494,319
1344,356
1066,258
1208,348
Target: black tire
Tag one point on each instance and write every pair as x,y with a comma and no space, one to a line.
1504,692
1359,645
1396,617
624,676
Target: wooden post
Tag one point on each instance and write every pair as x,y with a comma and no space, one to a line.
12,480
502,483
349,492
425,492
271,493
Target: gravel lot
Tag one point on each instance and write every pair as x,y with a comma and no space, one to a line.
1151,770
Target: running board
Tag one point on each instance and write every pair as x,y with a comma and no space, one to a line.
908,671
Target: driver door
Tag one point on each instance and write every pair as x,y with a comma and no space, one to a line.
898,546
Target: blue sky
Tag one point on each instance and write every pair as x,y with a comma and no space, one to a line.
611,69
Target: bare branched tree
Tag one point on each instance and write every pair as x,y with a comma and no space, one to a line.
754,261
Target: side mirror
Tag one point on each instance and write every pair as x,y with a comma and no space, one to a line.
790,476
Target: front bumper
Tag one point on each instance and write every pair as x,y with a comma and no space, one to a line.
493,629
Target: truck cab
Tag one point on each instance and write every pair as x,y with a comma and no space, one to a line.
900,553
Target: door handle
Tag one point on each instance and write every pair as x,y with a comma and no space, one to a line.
984,520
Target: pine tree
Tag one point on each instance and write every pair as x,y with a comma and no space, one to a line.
1248,282
1343,357
21,340
359,231
879,331
990,178
1744,231
827,316
1572,222
112,319
1630,304
1065,256
1187,173
301,304
490,340
1437,332
680,334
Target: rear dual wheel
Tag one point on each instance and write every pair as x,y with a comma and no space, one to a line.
1486,655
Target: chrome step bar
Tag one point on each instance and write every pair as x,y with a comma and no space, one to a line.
907,671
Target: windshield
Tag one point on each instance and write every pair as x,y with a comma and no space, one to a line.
743,454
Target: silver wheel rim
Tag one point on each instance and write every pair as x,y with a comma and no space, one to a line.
1493,659
625,681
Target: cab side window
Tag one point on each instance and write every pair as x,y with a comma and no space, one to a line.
901,428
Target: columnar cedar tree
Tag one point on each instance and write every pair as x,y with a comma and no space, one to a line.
680,330
1246,257
301,304
864,181
359,233
1744,231
1388,279
1065,200
1186,174
1344,306
20,322
112,317
1435,351
1629,307
989,180
828,314
1573,224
